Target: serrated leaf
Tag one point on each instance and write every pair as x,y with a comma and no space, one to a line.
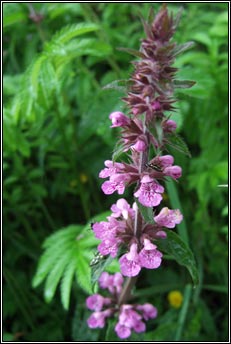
55,275
66,255
83,273
69,32
62,235
97,269
146,212
183,83
66,284
176,247
178,143
182,47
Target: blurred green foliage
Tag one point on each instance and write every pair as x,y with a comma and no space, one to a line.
57,58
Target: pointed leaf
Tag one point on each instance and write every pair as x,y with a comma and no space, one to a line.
178,143
183,83
146,212
83,273
69,32
55,276
182,47
133,52
176,247
66,284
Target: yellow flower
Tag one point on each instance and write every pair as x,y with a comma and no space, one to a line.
175,298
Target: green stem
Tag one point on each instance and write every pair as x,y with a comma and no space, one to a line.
183,313
126,292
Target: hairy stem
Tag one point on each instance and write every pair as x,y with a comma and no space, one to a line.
126,292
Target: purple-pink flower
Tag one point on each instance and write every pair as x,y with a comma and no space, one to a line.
130,317
173,171
119,119
97,319
111,168
96,302
149,192
122,208
130,263
168,218
148,311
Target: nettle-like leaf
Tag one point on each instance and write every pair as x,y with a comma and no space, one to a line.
67,255
176,248
178,143
45,72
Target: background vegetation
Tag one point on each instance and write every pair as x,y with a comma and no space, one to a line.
58,57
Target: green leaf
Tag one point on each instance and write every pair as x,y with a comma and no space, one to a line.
133,52
66,284
69,32
178,143
183,83
83,273
55,275
67,253
176,247
13,15
98,268
146,212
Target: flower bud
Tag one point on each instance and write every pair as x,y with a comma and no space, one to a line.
119,119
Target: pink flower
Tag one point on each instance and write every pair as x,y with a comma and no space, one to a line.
140,145
119,119
111,168
169,126
148,311
150,259
111,282
97,319
96,302
128,316
118,282
139,327
122,208
122,331
156,105
116,183
109,246
166,160
173,171
161,235
149,192
129,262
102,230
168,218
105,280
